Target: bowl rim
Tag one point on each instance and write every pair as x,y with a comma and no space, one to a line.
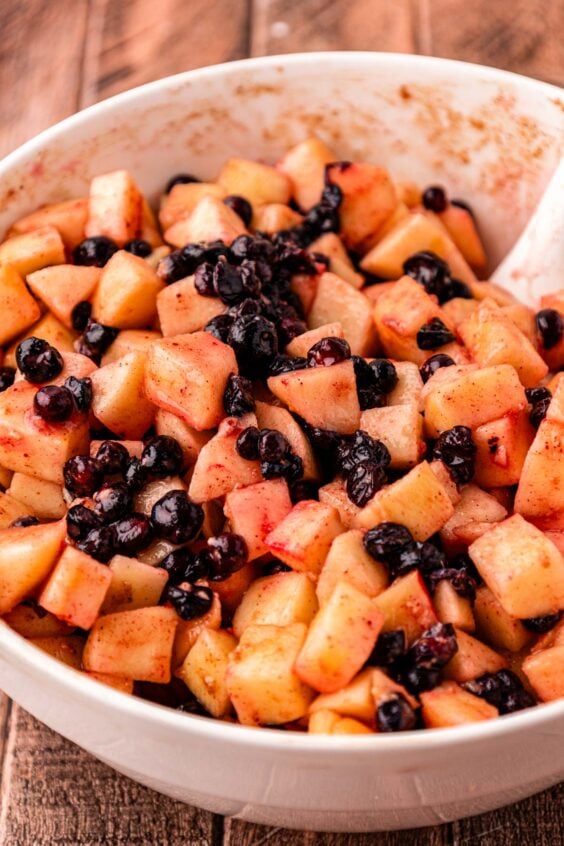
37,663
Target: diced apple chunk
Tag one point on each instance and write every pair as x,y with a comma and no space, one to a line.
133,585
325,397
68,217
301,345
541,486
523,569
382,686
275,217
418,500
261,681
68,650
33,250
409,385
406,605
190,440
41,498
187,375
335,494
219,468
472,659
353,700
30,621
119,399
450,705
304,165
257,182
400,428
117,683
188,631
18,309
27,555
146,498
126,296
274,417
63,286
502,446
115,207
134,644
183,310
182,199
11,509
337,301
330,245
453,608
130,340
496,626
545,672
327,722
278,600
256,510
211,220
369,198
463,231
76,588
204,670
302,539
348,561
474,508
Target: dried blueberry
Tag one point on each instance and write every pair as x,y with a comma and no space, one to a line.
290,467
228,554
434,363
190,602
241,207
38,361
80,521
81,390
363,481
247,443
361,447
53,404
132,534
272,445
174,267
434,648
162,456
457,450
255,343
390,647
95,251
538,411
233,284
386,540
183,566
328,351
395,714
135,474
434,334
540,625
203,280
434,198
24,521
460,579
286,364
302,490
113,501
385,375
95,340
504,690
550,325
83,475
238,396
176,518
112,457
80,315
180,179
7,376
220,326
98,543
138,247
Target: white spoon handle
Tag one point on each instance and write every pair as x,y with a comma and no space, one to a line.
535,264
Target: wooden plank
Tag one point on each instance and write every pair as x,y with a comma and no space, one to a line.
60,795
524,36
284,26
129,43
40,65
238,833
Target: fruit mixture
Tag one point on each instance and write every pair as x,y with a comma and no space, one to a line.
275,455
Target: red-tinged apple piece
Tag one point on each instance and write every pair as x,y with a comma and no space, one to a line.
496,626
301,345
126,296
369,198
348,561
304,165
463,231
11,509
18,309
119,399
31,445
76,588
275,417
261,680
211,220
133,644
68,217
353,700
340,638
33,250
502,447
187,375
541,489
336,300
183,310
256,510
418,500
191,441
492,338
133,585
219,468
204,670
444,476
121,684
335,494
324,396
182,199
302,539
524,318
458,309
63,286
278,600
521,567
27,555
330,245
400,428
472,659
43,499
259,183
115,207
545,673
30,621
450,705
68,650
453,608
472,398
474,506
406,605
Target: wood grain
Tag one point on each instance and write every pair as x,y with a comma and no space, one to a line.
244,834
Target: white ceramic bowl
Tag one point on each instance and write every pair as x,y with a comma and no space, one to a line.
492,138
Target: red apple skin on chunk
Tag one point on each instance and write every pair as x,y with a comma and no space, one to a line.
134,644
324,396
523,569
256,510
339,640
31,445
303,538
406,605
451,705
219,468
27,555
187,375
76,588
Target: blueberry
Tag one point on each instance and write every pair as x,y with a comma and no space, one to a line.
80,315
272,445
535,395
113,501
386,540
247,443
98,543
112,458
434,198
434,648
83,475
238,396
460,579
457,450
434,334
180,179
53,404
228,554
203,280
81,390
38,361
550,325
275,567
390,647
290,467
162,456
419,679
303,490
504,690
135,474
138,247
176,518
233,284
538,412
80,521
95,340
255,343
434,363
95,251
7,376
328,351
220,327
132,534
361,447
408,558
183,566
429,270
286,364
395,714
540,625
24,522
190,603
290,328
385,375
174,267
241,207
363,481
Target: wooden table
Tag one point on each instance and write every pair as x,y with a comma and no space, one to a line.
57,56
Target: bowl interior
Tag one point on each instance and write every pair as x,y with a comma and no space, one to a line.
491,137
